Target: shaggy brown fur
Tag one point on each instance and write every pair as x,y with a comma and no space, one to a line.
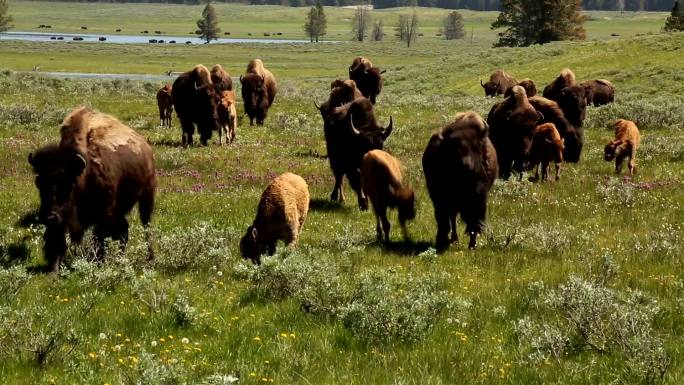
528,84
381,178
259,89
165,104
547,147
227,116
368,78
281,214
341,92
599,92
460,166
498,83
195,99
101,169
572,136
360,63
565,79
221,79
626,143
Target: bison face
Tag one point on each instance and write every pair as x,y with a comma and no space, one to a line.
490,88
253,90
613,149
573,102
250,246
57,173
370,138
406,204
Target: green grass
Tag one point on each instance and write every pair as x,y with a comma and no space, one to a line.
208,196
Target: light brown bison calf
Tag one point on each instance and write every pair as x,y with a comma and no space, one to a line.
382,182
547,147
626,143
280,215
227,116
165,104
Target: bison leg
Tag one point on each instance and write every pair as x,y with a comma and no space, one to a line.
54,248
545,170
337,190
188,130
443,227
474,215
632,165
271,248
385,225
618,164
454,233
558,169
378,228
162,116
472,244
355,183
145,209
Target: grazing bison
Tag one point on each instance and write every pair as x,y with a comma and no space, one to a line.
195,99
281,214
341,92
599,92
258,91
512,124
221,79
528,84
573,137
547,147
626,143
368,78
573,102
346,145
383,185
554,89
165,104
498,83
94,177
227,116
460,166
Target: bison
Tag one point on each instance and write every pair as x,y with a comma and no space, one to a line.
368,78
165,104
93,177
382,183
599,92
498,83
341,92
528,84
281,214
258,91
573,102
547,147
565,79
460,166
626,143
195,100
227,116
346,144
573,137
512,124
221,79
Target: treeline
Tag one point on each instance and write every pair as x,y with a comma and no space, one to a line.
478,5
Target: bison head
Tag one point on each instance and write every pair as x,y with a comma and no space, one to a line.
614,149
57,177
490,88
370,136
573,102
406,204
250,246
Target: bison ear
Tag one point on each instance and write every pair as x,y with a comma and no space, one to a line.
77,164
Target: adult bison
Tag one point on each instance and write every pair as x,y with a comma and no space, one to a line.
341,92
221,79
165,104
352,130
573,102
599,92
94,177
460,166
258,91
368,78
528,84
554,89
573,136
498,83
511,128
195,99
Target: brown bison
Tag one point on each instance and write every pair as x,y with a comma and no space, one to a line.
626,143
599,92
165,104
498,83
573,137
195,99
368,78
221,79
511,128
346,144
528,84
547,147
460,166
341,92
227,116
258,91
281,214
94,177
573,102
382,182
565,79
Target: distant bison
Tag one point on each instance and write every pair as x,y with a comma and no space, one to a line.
227,116
195,100
258,91
382,182
281,214
625,145
460,166
573,137
554,89
599,92
165,104
221,79
547,147
498,83
94,177
528,84
368,78
346,144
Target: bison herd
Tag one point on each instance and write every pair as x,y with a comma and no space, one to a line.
101,168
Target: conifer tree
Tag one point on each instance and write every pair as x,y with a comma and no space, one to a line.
675,22
5,18
208,24
453,26
316,23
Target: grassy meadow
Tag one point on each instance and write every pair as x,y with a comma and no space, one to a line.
574,282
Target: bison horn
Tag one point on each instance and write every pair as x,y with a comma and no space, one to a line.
541,116
196,88
382,72
317,106
482,84
351,125
388,130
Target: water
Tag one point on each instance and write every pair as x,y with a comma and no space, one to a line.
85,75
133,39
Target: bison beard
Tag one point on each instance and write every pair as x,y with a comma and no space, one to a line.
195,99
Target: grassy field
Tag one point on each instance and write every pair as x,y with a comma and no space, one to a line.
577,281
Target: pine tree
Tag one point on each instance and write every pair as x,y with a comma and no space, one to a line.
321,21
208,24
453,26
5,18
675,22
316,22
539,21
